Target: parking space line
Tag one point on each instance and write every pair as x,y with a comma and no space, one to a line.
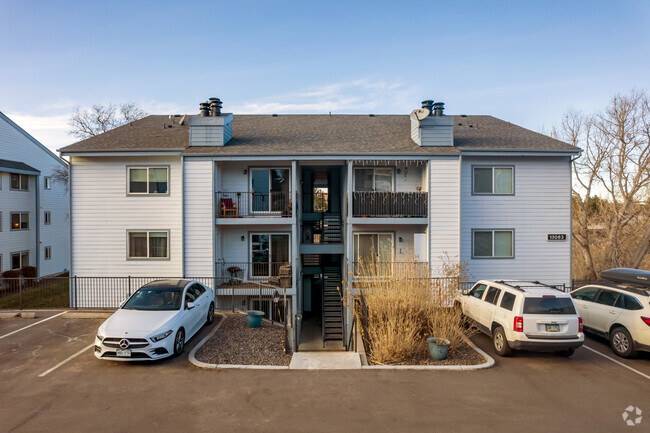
45,373
617,362
33,324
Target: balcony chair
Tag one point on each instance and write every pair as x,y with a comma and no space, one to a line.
283,280
228,208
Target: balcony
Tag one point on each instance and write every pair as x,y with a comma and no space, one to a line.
253,204
374,204
233,274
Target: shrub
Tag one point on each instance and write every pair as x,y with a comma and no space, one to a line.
11,274
28,272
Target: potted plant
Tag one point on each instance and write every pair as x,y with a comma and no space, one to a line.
255,318
438,348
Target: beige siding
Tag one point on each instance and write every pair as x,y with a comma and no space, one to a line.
102,213
199,218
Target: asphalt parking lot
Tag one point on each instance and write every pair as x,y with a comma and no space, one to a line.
50,381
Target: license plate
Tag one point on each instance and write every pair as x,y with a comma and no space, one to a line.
552,327
126,353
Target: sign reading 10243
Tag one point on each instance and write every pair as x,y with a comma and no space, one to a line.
556,237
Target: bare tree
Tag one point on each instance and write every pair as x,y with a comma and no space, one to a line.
614,165
61,176
88,122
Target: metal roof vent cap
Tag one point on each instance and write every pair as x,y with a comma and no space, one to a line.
438,109
428,104
215,107
204,109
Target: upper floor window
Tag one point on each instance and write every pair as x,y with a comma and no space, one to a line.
47,218
373,179
148,180
148,245
47,182
493,244
493,180
48,253
19,182
20,221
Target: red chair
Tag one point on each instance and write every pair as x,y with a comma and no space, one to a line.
228,208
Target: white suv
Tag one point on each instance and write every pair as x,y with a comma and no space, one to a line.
524,316
620,313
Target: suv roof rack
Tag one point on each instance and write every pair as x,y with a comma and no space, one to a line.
505,283
521,288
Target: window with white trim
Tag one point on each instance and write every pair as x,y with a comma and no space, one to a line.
47,182
268,252
374,252
20,221
379,179
493,244
19,182
148,180
148,244
493,180
19,260
47,217
48,253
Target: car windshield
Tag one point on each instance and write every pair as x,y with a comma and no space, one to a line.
548,306
155,299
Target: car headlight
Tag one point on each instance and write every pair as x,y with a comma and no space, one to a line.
100,337
161,336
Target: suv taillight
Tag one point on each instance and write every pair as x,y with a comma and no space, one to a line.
646,320
519,324
580,324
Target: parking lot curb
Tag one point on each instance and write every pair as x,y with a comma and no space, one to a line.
193,360
489,363
88,314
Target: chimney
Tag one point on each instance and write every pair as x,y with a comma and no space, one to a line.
212,127
430,127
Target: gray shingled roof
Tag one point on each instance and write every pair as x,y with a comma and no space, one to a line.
322,134
16,167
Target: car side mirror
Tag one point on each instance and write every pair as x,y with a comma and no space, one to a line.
122,303
189,305
465,292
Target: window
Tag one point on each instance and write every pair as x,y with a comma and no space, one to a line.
607,297
508,301
0,257
270,189
47,182
374,250
19,260
492,295
628,302
0,219
477,291
268,252
20,221
493,180
48,253
548,306
19,182
148,245
373,179
48,217
585,294
148,180
493,244
190,296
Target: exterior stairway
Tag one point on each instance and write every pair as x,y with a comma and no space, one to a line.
332,305
332,228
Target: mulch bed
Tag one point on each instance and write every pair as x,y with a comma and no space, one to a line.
236,343
463,355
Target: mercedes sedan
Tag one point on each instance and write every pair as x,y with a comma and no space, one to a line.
156,321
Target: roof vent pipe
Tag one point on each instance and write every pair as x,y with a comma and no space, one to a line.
428,104
215,107
438,109
204,109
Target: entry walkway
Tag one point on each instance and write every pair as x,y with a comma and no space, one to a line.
325,361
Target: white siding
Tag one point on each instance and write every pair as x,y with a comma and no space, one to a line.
102,214
444,205
541,205
199,218
15,146
231,177
410,177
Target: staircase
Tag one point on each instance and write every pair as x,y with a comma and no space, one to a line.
332,305
332,228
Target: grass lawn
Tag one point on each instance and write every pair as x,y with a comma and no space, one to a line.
47,294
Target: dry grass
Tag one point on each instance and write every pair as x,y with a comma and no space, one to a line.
398,312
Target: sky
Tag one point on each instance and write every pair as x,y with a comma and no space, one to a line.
526,62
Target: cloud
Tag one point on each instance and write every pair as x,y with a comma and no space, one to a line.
50,130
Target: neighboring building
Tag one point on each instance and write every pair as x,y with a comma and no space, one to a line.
34,210
223,195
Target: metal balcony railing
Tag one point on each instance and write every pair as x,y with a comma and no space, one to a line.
275,273
253,204
389,204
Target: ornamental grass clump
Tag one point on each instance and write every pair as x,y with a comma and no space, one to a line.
399,306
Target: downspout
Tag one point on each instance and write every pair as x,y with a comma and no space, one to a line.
182,191
38,224
71,287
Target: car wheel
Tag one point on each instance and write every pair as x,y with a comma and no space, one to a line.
622,343
179,342
210,318
501,342
567,352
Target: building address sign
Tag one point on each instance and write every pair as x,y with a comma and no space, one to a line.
556,237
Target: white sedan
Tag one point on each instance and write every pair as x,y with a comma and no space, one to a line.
156,321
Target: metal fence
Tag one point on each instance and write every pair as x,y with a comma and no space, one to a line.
389,204
253,204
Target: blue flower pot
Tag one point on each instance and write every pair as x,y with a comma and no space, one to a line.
438,348
255,318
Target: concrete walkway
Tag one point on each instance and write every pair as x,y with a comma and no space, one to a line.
325,361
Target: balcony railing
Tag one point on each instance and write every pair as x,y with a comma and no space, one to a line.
275,273
389,204
370,270
253,204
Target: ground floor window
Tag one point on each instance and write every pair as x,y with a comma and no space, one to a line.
376,249
48,253
148,245
493,244
268,252
19,260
